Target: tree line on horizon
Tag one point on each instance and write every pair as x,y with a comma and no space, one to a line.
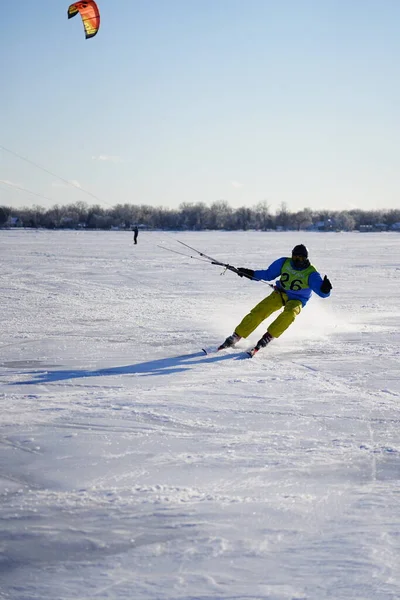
196,217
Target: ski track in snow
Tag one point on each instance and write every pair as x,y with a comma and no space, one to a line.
134,466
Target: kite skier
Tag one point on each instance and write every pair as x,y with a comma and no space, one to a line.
298,278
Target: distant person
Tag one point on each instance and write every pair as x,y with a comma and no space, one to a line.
135,234
297,280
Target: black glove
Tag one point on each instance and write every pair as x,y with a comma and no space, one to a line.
326,286
249,273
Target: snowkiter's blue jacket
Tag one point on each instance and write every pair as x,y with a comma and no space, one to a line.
298,284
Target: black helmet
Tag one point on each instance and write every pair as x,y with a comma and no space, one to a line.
300,257
300,250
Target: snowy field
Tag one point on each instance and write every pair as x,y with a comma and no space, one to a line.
133,467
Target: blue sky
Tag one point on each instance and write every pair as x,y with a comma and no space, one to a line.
174,101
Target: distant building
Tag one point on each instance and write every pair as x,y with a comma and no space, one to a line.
67,222
319,225
14,222
327,225
380,227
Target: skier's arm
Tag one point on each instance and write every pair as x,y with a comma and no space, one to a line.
320,286
273,271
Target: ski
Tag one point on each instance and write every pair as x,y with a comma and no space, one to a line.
212,350
215,350
252,352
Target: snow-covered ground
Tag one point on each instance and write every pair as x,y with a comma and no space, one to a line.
133,467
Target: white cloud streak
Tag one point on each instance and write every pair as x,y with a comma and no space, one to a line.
10,183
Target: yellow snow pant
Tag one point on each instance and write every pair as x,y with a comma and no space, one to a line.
264,309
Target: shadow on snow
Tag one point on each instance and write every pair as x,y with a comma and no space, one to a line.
162,366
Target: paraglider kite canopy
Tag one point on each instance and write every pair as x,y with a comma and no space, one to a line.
90,16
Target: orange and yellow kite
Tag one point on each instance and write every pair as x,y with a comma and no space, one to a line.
90,16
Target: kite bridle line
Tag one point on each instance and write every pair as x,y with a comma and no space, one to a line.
70,183
212,261
183,254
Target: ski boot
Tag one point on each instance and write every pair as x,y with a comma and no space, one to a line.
266,339
230,341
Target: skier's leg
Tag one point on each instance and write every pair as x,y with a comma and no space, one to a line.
286,318
264,309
